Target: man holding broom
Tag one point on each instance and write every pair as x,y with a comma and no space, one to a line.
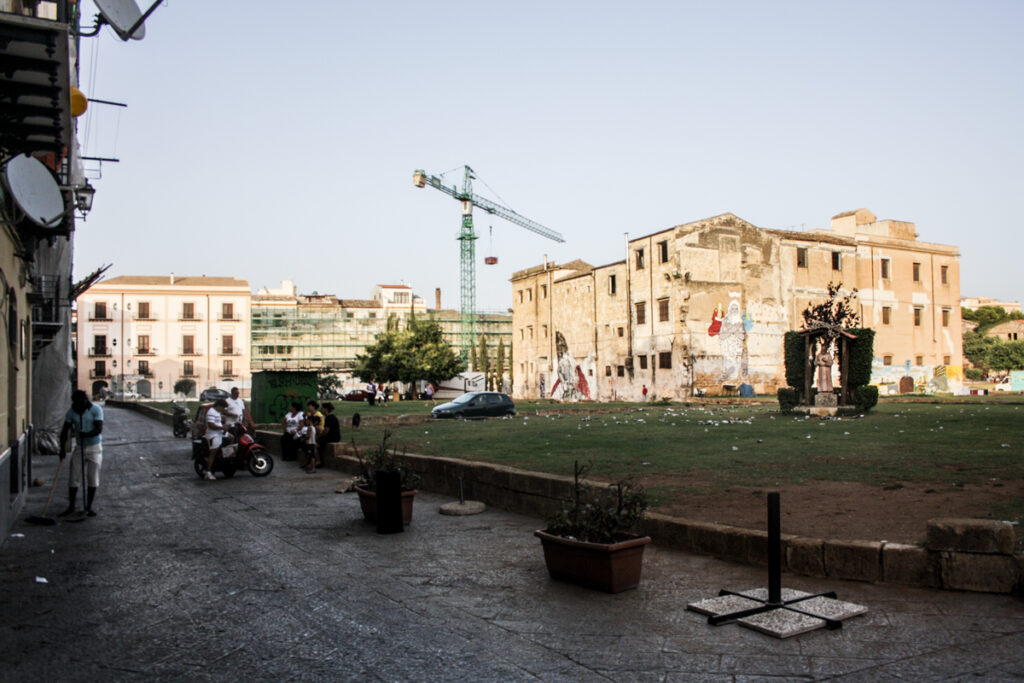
86,418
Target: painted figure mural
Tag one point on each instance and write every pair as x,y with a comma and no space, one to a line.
571,384
731,330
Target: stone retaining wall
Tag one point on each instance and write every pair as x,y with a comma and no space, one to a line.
959,554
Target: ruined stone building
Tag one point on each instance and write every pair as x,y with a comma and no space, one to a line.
703,307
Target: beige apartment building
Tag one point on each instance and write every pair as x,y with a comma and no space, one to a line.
139,335
702,308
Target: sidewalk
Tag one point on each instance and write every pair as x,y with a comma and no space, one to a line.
279,579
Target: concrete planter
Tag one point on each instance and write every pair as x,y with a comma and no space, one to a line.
609,567
368,503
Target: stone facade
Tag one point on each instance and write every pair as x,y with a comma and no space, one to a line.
703,307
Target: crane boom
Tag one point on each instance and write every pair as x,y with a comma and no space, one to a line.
467,238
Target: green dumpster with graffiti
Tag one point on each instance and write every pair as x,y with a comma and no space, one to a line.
273,391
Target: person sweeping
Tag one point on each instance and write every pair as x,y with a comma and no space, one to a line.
86,419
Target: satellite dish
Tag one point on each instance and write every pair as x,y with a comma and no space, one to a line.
122,15
33,188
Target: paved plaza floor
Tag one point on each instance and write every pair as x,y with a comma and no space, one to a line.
279,579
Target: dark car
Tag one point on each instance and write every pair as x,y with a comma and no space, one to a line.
213,393
355,395
476,404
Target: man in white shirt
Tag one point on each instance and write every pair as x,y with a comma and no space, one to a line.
214,433
235,412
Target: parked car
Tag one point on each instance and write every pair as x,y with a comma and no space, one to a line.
355,395
213,393
476,404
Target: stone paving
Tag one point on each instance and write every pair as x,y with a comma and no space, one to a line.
279,579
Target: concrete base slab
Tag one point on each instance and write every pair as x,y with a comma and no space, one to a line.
470,507
780,622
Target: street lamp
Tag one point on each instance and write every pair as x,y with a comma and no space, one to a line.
83,197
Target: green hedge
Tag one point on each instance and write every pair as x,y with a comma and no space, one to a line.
865,397
788,398
862,353
795,362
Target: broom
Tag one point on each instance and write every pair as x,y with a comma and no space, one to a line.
43,520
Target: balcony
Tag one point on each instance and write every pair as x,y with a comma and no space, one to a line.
149,317
145,373
103,318
99,374
189,375
182,318
229,375
233,318
190,352
231,352
99,352
149,351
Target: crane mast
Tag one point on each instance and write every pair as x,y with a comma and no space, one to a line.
467,242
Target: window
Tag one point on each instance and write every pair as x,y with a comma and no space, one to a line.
918,360
641,312
188,369
621,371
886,263
945,317
101,368
607,371
522,333
143,311
529,293
99,345
887,360
544,328
529,328
643,362
611,284
100,311
520,296
372,315
665,360
543,291
663,310
227,311
944,274
837,261
228,344
917,316
886,315
401,298
188,311
143,346
188,344
917,272
639,259
622,331
663,252
143,367
229,368
946,360
801,257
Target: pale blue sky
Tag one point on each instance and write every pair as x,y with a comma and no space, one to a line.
267,143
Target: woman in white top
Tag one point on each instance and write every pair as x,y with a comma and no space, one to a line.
290,425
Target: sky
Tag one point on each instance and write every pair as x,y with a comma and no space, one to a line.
275,141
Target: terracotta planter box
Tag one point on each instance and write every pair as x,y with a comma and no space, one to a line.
609,567
368,502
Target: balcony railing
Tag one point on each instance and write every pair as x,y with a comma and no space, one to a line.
149,317
231,352
229,375
233,318
190,352
106,318
189,375
99,374
194,318
148,351
145,373
99,352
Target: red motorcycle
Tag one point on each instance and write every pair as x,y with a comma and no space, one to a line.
238,451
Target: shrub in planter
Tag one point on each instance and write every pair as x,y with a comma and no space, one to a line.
866,397
365,484
594,541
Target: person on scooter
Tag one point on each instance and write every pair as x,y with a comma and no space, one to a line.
235,412
214,434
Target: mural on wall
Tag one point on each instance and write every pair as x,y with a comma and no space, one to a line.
731,329
571,383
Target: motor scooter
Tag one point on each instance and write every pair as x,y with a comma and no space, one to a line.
181,424
238,451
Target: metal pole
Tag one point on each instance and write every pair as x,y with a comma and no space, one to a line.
774,551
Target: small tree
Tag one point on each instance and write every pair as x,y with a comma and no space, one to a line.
327,385
186,387
485,362
499,363
419,352
834,314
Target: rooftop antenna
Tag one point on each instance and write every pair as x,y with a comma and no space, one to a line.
123,16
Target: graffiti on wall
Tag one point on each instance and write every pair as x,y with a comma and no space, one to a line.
571,381
731,327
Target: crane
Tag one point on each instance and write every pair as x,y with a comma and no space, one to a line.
467,239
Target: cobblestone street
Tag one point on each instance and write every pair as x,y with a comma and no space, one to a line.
278,578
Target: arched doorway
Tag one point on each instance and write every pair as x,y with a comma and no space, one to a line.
99,388
144,388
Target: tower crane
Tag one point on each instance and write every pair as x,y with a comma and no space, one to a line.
467,239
